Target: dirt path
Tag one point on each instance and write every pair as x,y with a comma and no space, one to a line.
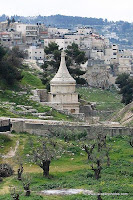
12,152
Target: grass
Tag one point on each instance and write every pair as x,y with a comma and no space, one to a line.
106,100
14,97
72,170
5,143
30,79
60,116
23,99
6,113
72,197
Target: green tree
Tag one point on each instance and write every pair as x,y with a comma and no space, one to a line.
52,46
10,65
74,57
44,154
74,53
125,83
2,52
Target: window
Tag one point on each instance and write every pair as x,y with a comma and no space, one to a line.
72,110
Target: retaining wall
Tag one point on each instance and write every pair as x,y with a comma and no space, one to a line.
43,127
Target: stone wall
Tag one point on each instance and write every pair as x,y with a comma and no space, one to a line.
43,95
40,95
40,127
88,111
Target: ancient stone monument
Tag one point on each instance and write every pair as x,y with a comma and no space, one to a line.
62,90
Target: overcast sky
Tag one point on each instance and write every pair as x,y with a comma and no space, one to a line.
110,9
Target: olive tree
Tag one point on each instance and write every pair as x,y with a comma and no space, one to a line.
98,150
26,180
96,165
19,161
44,154
14,193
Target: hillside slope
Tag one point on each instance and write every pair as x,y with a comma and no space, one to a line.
125,115
15,101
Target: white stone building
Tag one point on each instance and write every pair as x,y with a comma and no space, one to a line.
97,54
32,33
62,43
124,65
111,54
35,53
52,31
84,30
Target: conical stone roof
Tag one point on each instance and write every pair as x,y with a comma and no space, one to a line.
63,76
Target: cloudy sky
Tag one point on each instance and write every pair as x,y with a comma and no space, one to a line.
110,9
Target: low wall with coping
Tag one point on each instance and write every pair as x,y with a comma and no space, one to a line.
40,127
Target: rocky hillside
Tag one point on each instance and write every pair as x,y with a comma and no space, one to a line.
125,115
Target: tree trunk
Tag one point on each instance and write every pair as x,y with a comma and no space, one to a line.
99,197
46,165
27,189
131,142
97,170
89,156
97,174
108,161
20,171
16,197
27,193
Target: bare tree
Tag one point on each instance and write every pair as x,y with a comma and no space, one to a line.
99,151
97,169
18,159
44,154
20,171
13,192
102,144
26,180
101,141
89,150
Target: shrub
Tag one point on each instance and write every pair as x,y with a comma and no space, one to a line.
6,170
